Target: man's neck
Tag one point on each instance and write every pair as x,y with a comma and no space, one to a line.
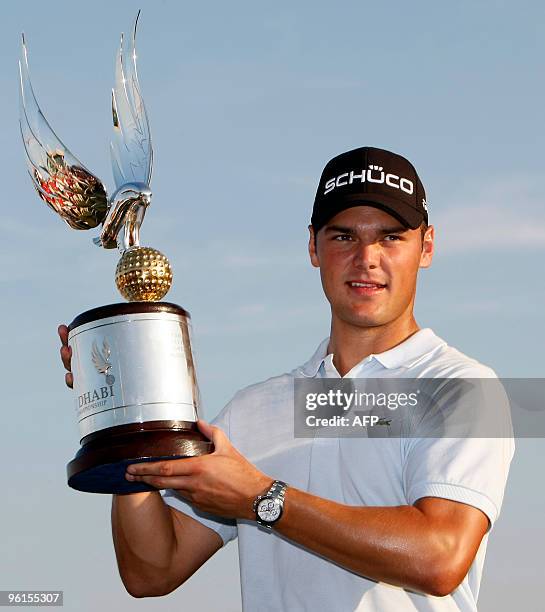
351,344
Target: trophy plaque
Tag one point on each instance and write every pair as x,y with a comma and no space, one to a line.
135,388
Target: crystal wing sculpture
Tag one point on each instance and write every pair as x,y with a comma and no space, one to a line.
60,179
131,150
67,186
79,197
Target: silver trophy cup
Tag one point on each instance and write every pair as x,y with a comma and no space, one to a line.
136,394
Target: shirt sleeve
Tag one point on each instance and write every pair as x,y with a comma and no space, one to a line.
226,528
465,448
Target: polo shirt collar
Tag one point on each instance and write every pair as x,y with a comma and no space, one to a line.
405,355
410,351
311,367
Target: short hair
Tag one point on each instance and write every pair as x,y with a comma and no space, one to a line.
423,228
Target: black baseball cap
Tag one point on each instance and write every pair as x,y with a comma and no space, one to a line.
370,177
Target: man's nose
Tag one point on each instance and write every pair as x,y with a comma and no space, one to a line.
367,255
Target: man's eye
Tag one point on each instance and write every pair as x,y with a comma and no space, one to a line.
342,237
391,237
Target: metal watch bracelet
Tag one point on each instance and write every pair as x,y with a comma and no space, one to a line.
276,493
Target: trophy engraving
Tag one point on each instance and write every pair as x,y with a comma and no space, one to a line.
101,361
136,398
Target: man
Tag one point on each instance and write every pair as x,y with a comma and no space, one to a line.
362,523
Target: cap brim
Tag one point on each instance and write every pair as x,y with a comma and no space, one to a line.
405,213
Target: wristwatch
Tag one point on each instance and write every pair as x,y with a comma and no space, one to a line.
268,508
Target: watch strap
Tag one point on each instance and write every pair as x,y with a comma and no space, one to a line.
276,491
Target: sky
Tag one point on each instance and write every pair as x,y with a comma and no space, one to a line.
247,101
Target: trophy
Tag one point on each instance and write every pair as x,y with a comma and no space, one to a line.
135,388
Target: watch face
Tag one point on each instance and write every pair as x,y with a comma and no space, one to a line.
268,510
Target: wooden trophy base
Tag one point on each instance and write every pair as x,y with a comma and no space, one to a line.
100,464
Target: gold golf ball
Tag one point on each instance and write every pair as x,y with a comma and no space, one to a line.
143,274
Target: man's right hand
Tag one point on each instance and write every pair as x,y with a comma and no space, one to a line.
66,355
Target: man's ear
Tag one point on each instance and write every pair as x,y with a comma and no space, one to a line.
312,248
426,255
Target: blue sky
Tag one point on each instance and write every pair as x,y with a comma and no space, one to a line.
247,101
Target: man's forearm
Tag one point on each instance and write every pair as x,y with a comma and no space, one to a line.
427,547
144,540
399,545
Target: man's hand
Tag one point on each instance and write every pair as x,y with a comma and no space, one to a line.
222,483
66,355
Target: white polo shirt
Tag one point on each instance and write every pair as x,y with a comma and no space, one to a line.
278,575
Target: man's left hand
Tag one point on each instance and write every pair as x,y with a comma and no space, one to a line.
223,483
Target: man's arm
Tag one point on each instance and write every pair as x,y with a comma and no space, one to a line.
157,547
428,546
